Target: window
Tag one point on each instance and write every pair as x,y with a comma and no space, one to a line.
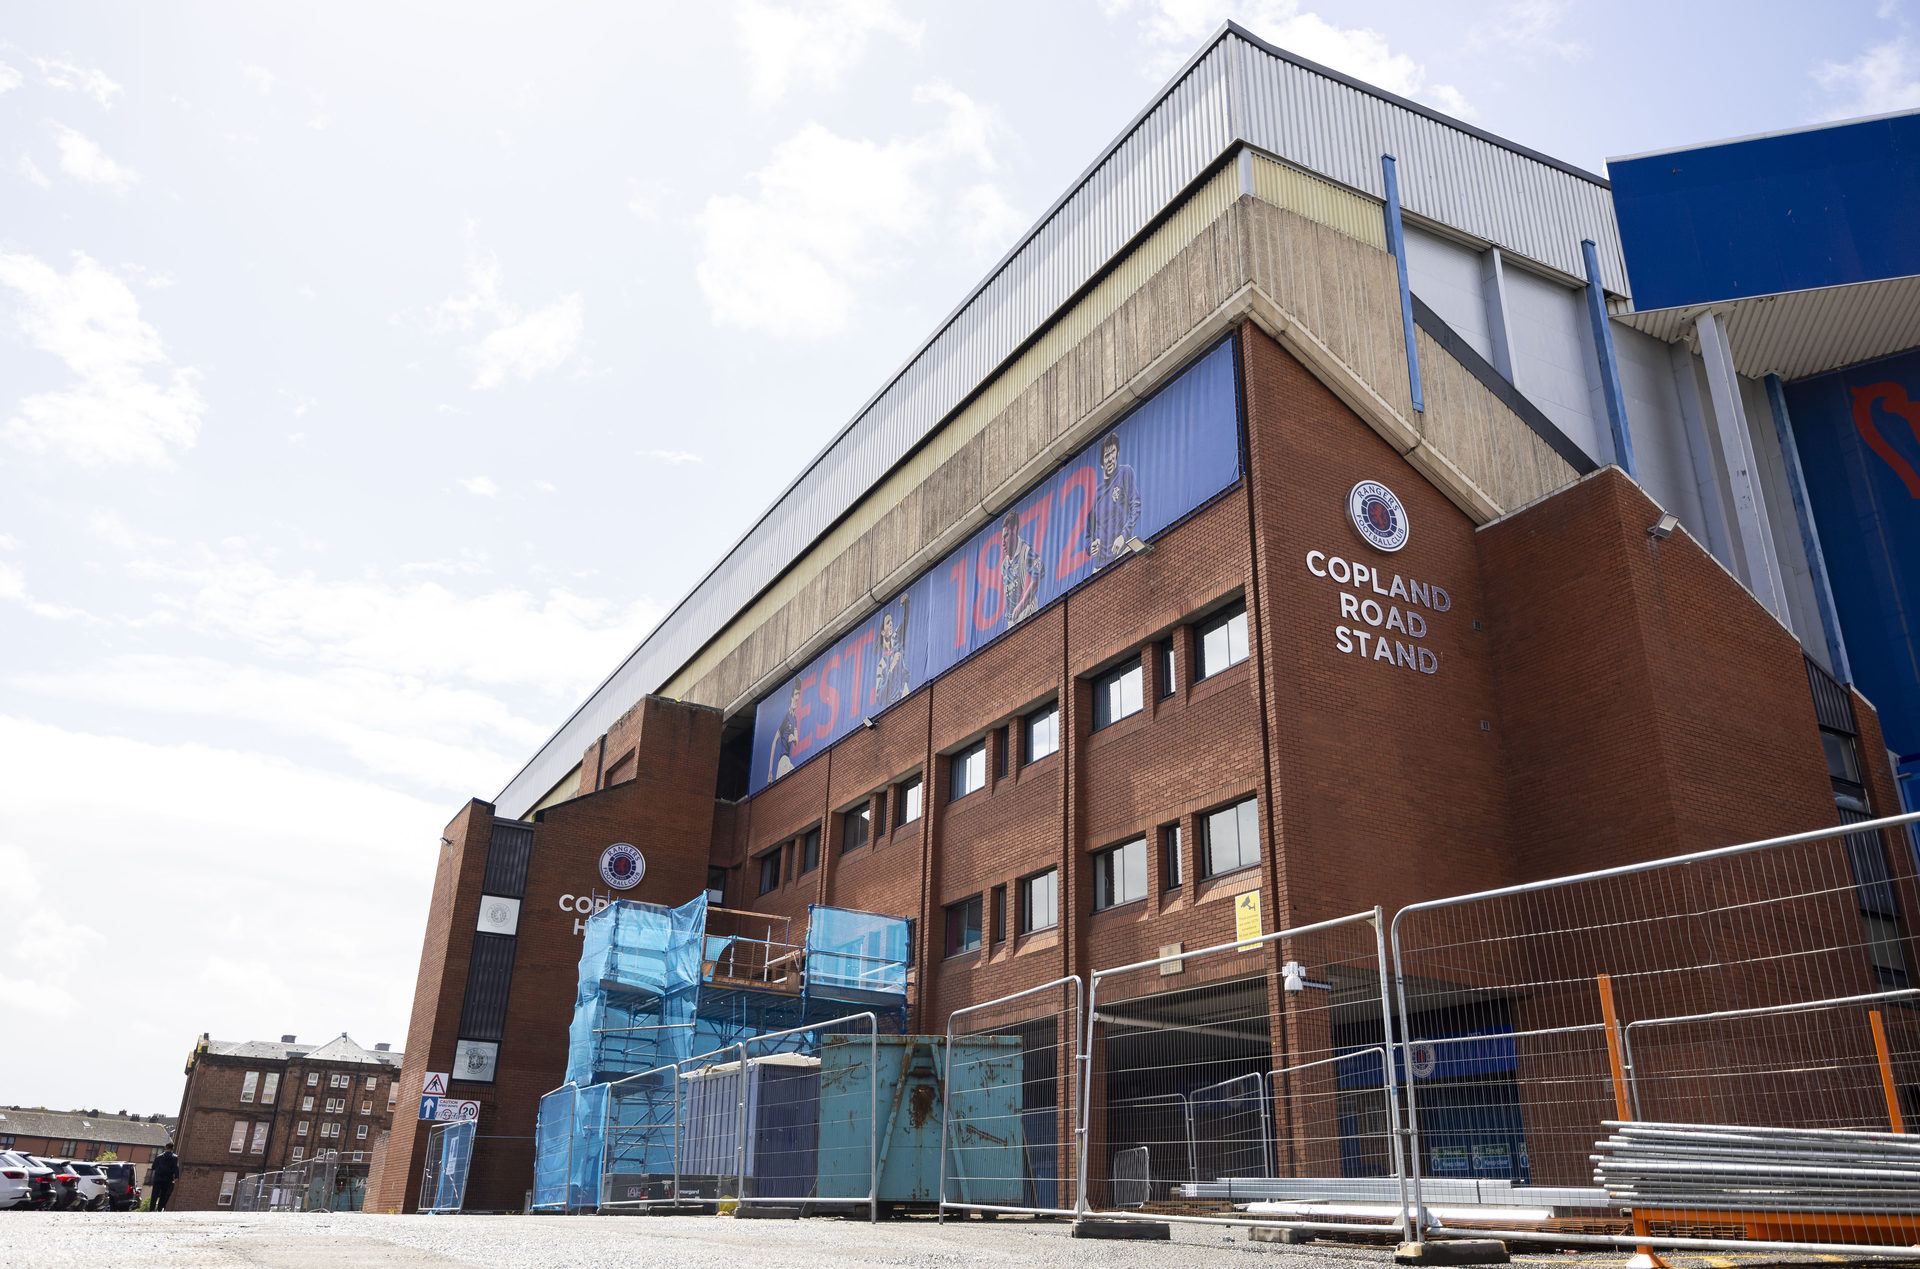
1043,732
999,914
1223,640
906,801
313,1079
1001,743
227,1182
770,872
300,1129
270,1089
1116,694
306,1103
1165,670
336,1105
238,1141
1230,837
360,1133
969,770
809,851
393,1095
1040,901
913,924
856,827
299,1153
366,1108
1170,862
330,1130
6,1141
342,1081
717,886
373,1082
248,1083
259,1139
1120,874
963,926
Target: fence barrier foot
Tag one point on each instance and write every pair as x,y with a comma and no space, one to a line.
1462,1251
1645,1259
1133,1231
1280,1234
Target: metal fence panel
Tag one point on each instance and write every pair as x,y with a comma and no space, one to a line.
1245,1083
1008,1108
1752,993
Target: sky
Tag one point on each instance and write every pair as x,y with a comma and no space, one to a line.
374,377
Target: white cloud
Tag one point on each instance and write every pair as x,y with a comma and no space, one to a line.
129,402
812,45
261,78
672,457
828,213
546,486
13,590
32,173
480,487
517,343
69,77
1174,28
1531,29
558,642
207,852
400,728
1883,79
83,159
9,78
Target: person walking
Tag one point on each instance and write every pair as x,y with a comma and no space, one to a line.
166,1170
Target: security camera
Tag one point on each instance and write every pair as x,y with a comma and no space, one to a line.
1293,976
867,723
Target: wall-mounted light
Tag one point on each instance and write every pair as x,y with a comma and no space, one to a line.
1664,526
867,723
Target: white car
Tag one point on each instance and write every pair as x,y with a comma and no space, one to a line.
89,1184
23,1183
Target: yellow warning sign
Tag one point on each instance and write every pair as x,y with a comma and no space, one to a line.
1246,919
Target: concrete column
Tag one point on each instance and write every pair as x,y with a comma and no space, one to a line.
1700,450
1750,523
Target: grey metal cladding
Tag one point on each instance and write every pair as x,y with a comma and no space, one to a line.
509,850
483,1010
1236,88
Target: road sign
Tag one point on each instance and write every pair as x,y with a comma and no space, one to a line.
457,1110
435,1084
449,1109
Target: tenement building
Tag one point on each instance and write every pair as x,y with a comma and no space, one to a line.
1309,514
263,1105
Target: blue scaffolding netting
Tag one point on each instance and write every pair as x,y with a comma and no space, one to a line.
660,987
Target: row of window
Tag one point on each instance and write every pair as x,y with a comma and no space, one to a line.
268,1089
241,1129
1229,841
1220,643
329,1130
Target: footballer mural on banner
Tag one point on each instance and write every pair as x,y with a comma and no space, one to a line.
1171,454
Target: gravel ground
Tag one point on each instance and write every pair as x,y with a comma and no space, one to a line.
321,1241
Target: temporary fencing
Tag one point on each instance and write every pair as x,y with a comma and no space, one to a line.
330,1181
1008,1106
443,1178
1760,989
1256,1053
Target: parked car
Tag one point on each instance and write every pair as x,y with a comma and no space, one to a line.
123,1194
24,1183
77,1185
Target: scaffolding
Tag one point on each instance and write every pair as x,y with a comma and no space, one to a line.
660,986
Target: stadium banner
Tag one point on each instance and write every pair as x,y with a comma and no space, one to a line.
1175,451
1858,433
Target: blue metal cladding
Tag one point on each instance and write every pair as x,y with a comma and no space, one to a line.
1858,433
1820,207
1173,453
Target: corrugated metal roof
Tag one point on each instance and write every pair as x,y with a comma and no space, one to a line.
1803,333
1236,89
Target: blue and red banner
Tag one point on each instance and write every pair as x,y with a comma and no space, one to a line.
1858,432
1173,453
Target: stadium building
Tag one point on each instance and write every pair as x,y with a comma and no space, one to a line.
1326,504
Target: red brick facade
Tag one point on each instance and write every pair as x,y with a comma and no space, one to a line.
1596,695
